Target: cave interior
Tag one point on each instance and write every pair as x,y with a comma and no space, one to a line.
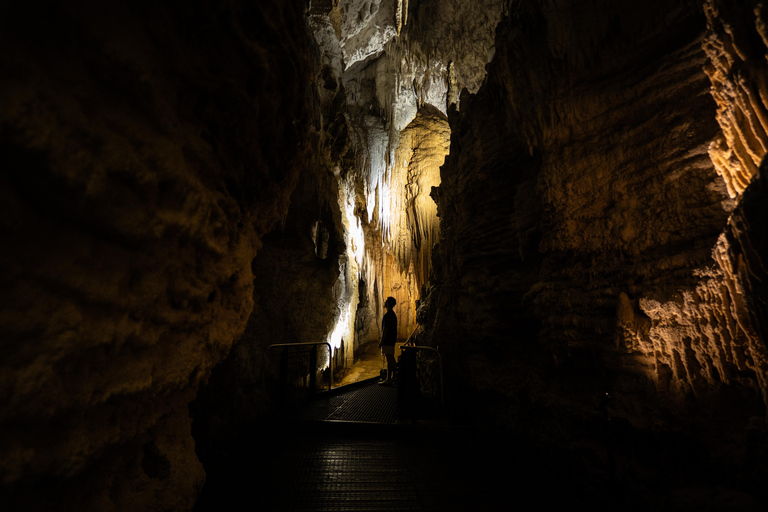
566,198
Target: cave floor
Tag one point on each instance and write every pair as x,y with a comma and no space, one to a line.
368,364
348,452
347,469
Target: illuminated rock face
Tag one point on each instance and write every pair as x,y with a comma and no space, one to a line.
737,44
145,150
580,210
742,254
399,59
422,149
398,262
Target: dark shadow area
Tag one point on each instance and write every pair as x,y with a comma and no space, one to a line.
356,448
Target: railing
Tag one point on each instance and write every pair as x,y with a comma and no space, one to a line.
409,342
416,384
312,370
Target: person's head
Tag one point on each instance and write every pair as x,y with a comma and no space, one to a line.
390,303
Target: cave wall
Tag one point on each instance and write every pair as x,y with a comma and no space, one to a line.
145,151
580,209
736,43
298,286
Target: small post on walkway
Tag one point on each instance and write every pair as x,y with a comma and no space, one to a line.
313,369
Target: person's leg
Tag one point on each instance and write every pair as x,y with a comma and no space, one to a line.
391,366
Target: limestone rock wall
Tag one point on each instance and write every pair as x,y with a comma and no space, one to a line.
737,44
306,274
422,149
298,286
145,149
579,212
742,256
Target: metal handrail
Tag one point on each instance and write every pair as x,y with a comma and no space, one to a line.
408,341
330,358
439,361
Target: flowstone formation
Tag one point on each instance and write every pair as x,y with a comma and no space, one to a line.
596,257
145,150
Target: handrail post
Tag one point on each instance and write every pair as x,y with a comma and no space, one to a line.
408,342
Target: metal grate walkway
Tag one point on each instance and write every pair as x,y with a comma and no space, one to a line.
363,473
370,470
344,453
367,402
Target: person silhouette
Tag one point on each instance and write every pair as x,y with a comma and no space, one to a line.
388,339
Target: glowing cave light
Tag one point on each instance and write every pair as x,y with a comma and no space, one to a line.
350,270
354,232
341,328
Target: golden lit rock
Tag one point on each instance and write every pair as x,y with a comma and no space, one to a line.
422,149
737,47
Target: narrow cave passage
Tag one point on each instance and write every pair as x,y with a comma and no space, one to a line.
205,204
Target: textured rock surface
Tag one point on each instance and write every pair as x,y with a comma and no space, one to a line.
591,290
460,34
145,150
365,27
296,296
742,254
422,149
737,45
579,209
